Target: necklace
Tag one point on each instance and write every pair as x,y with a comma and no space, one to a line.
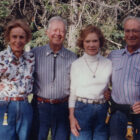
94,72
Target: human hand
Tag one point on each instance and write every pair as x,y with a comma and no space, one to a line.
107,94
136,108
74,125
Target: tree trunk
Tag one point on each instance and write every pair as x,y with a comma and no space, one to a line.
72,27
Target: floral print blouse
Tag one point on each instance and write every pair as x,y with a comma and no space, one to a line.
16,75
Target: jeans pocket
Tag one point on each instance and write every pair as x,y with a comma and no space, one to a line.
3,103
79,105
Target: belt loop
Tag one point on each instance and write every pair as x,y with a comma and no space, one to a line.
8,99
51,101
25,98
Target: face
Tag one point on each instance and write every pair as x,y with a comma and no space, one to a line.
56,33
132,33
17,40
91,44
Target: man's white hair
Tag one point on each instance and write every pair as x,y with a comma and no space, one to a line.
57,18
130,18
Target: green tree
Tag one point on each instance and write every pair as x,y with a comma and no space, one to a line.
106,14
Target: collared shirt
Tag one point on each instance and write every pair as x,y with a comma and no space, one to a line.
125,76
83,82
16,74
46,84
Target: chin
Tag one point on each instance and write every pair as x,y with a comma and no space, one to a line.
92,54
18,50
95,53
57,44
131,45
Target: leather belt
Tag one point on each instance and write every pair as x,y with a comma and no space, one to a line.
13,98
52,101
91,101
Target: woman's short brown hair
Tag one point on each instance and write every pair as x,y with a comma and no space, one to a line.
90,29
17,23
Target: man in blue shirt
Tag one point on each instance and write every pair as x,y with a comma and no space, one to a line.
51,86
126,81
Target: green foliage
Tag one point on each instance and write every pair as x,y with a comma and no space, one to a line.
4,10
58,9
107,15
39,38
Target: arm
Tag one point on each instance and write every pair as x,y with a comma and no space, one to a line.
107,94
136,108
3,69
29,75
73,123
72,99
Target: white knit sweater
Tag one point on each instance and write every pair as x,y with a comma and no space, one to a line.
82,82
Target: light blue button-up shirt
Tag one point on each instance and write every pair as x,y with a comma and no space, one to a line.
125,76
45,84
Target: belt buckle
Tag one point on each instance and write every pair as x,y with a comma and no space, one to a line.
14,99
85,101
51,101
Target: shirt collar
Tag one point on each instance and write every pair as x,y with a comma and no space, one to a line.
12,56
61,52
48,50
124,51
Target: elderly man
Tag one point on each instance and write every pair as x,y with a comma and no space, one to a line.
126,82
51,87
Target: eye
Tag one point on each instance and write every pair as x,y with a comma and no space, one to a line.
21,37
133,31
87,41
62,31
95,40
14,36
127,31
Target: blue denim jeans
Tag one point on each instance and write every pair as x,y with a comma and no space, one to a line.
118,124
52,117
91,118
19,120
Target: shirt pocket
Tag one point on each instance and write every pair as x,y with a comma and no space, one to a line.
3,103
136,75
116,72
117,65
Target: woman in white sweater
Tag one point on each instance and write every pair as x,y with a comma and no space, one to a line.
90,75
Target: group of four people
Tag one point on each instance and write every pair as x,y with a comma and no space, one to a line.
67,89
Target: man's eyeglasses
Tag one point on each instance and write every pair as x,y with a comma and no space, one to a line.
133,31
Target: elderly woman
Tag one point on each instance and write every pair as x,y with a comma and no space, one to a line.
16,69
90,75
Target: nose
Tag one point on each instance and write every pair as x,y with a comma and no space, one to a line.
91,44
18,40
58,32
131,33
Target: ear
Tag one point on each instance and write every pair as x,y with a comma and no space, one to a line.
124,38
